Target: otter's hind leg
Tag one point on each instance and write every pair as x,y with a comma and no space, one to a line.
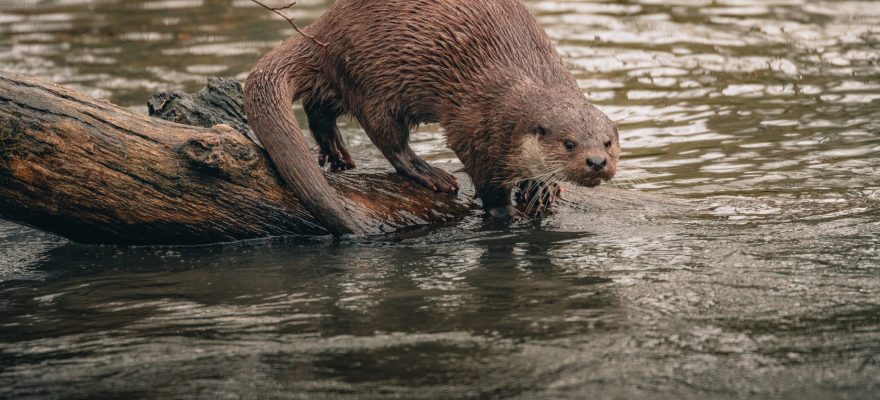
322,124
392,139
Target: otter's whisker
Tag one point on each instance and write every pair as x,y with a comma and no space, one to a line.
545,187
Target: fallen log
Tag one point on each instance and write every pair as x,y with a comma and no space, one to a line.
97,173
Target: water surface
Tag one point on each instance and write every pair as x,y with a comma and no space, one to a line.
763,115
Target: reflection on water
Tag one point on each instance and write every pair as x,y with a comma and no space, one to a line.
763,113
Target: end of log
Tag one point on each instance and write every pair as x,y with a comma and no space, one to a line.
221,102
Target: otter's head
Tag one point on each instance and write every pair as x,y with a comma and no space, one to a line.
566,139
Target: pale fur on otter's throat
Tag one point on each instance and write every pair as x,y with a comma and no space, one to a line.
530,163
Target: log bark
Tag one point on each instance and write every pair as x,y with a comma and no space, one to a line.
220,102
97,173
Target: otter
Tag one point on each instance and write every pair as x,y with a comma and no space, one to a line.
485,70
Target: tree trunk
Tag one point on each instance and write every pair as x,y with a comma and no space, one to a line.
97,173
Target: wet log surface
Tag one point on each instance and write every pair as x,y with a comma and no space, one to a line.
97,173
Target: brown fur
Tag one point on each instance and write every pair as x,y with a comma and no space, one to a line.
484,69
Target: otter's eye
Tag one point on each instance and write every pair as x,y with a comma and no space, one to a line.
542,131
570,145
608,144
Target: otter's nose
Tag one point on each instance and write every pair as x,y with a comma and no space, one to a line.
597,163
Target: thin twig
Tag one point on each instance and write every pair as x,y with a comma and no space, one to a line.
277,10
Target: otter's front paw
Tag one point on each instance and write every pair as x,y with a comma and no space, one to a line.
501,213
536,196
431,177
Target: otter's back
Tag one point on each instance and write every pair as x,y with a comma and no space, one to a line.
417,55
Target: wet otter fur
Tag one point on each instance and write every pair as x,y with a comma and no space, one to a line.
484,69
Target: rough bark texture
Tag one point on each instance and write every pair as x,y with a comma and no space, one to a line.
97,173
221,102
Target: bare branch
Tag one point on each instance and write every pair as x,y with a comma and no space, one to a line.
277,10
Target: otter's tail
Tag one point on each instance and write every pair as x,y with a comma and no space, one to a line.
269,93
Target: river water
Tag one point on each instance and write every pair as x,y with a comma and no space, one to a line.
762,117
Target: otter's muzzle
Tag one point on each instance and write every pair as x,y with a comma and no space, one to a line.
597,163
